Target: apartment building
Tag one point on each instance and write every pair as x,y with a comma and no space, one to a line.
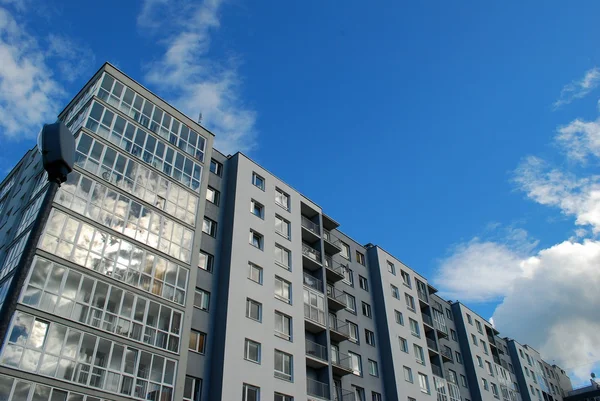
167,270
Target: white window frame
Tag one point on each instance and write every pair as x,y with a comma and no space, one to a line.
281,284
424,383
345,250
259,237
247,343
282,262
391,267
370,334
256,206
249,387
405,278
354,333
350,303
204,299
287,359
355,363
363,282
283,223
395,291
209,261
286,322
215,199
410,302
403,344
414,327
399,317
285,203
249,303
209,227
373,368
408,374
419,354
258,181
367,308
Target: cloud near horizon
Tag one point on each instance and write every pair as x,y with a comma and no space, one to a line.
548,297
192,80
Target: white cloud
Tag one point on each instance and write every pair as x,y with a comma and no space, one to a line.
30,92
580,139
72,58
196,83
579,88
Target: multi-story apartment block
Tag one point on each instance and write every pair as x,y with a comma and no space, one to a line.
166,271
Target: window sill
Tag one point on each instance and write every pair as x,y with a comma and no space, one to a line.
286,208
281,377
257,247
283,336
287,237
250,360
254,320
289,268
284,300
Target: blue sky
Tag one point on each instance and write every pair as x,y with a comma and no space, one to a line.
461,137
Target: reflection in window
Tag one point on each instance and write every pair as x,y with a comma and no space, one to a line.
90,247
13,255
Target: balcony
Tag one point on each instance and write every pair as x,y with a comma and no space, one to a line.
338,329
436,370
331,243
313,282
334,270
340,394
311,231
341,364
446,354
311,257
314,319
317,389
431,344
427,320
497,360
423,296
336,299
316,355
440,326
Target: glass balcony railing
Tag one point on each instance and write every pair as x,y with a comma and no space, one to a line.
431,344
315,350
436,370
332,239
341,360
311,253
446,352
311,226
339,326
423,296
340,394
334,266
336,294
317,389
313,282
427,319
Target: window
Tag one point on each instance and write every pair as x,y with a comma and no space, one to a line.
419,355
399,317
283,365
209,227
206,261
366,310
538,394
485,384
213,196
532,390
373,368
353,332
255,273
495,390
479,361
355,363
257,209
424,383
258,181
370,337
283,290
250,393
283,326
197,341
350,303
410,302
521,352
283,397
282,227
510,367
360,258
526,372
458,357
479,328
448,313
414,328
345,250
282,256
364,284
216,167
202,299
484,346
375,396
469,319
452,376
403,344
191,391
282,199
408,375
359,393
489,368
395,292
463,381
348,276
391,268
453,335
253,310
528,359
411,399
252,351
256,239
474,339
405,278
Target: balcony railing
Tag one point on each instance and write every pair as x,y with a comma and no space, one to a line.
431,344
327,236
427,319
446,352
339,326
317,389
340,394
491,340
315,314
497,359
423,296
341,360
311,253
334,266
315,350
436,370
441,326
336,294
311,226
313,282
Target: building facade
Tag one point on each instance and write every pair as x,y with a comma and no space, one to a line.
166,270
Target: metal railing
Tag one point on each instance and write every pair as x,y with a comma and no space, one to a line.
436,370
427,319
447,352
341,360
315,350
339,326
317,388
329,237
441,326
315,314
311,253
313,282
423,296
340,394
336,294
334,266
431,344
310,225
